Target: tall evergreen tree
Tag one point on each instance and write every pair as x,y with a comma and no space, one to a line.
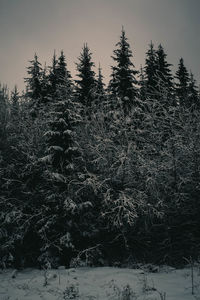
151,70
34,81
182,77
63,75
100,84
62,116
99,94
45,85
86,84
4,138
15,102
3,116
123,81
193,97
59,75
52,75
163,69
60,137
142,84
64,169
112,85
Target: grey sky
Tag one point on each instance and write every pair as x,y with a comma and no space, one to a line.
29,26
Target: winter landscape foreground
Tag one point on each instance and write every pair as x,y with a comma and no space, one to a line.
101,283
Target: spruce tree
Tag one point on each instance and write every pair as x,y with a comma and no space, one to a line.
86,84
163,67
113,85
142,84
100,85
52,76
63,164
59,76
45,86
182,84
151,71
34,81
60,136
3,114
164,75
123,82
4,141
99,94
193,97
14,103
112,88
63,75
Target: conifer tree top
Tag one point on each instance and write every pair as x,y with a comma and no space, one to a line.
123,74
86,83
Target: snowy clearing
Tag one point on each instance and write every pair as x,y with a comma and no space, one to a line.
100,283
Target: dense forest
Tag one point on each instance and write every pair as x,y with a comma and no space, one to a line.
96,173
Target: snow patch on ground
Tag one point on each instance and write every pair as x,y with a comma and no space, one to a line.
99,283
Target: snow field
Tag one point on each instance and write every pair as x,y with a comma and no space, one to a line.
105,283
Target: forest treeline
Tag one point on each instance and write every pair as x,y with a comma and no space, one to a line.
96,173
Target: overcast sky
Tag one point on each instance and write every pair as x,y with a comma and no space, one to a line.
29,26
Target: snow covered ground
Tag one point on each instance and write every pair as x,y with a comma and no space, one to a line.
99,283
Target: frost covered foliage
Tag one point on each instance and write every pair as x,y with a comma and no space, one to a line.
93,176
64,166
119,166
21,184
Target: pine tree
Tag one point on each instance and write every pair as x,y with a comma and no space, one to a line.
4,138
34,81
52,76
123,82
151,71
15,102
182,76
86,84
142,84
45,85
63,75
59,76
99,93
113,99
163,67
164,75
60,136
63,165
193,97
3,114
100,85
